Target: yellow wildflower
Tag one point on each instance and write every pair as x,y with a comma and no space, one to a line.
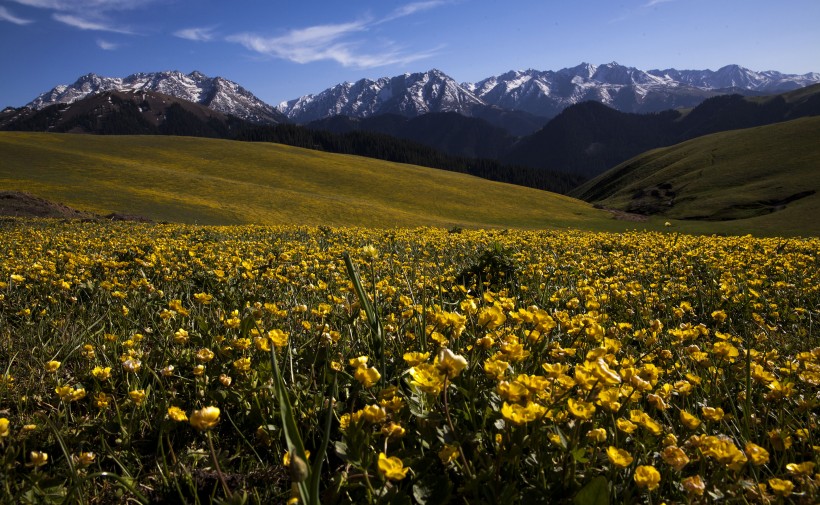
38,458
451,364
580,409
393,430
781,487
177,414
805,468
392,468
427,378
100,373
647,476
756,454
619,457
448,453
137,396
415,358
367,376
242,364
712,414
694,485
204,355
374,413
689,420
278,337
674,457
205,418
522,414
85,458
597,435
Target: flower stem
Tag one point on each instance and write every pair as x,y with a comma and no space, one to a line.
219,474
453,430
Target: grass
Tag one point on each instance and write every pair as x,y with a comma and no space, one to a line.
744,178
205,181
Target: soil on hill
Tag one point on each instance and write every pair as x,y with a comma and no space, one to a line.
21,204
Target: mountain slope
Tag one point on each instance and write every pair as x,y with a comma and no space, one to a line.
770,173
225,182
448,132
589,138
125,113
216,93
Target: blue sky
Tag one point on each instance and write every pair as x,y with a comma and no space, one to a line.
282,49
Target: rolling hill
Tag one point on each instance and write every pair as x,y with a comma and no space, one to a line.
768,174
211,181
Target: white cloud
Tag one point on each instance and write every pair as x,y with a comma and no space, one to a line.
87,14
305,45
5,15
85,5
106,45
197,34
88,24
338,42
651,3
346,54
412,8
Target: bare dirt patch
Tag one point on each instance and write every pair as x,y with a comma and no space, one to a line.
22,204
626,216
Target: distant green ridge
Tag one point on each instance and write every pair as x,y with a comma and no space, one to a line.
768,176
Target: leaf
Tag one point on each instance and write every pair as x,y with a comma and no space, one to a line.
596,492
579,455
432,488
341,449
562,437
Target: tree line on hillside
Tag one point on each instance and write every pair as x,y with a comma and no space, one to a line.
387,148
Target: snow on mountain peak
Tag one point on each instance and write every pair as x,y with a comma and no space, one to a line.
216,93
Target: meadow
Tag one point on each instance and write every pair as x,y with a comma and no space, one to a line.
220,182
268,364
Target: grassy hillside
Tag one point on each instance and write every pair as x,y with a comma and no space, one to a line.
589,138
209,181
770,173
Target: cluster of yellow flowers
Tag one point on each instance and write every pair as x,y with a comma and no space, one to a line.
522,364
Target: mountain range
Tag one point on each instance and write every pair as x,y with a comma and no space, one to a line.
521,102
541,94
587,138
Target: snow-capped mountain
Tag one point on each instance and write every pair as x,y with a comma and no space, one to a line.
215,93
541,93
408,95
734,76
627,89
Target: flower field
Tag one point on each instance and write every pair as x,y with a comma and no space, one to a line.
171,363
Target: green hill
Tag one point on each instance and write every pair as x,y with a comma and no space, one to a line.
211,181
768,176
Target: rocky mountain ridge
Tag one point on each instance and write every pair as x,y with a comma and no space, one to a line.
216,93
